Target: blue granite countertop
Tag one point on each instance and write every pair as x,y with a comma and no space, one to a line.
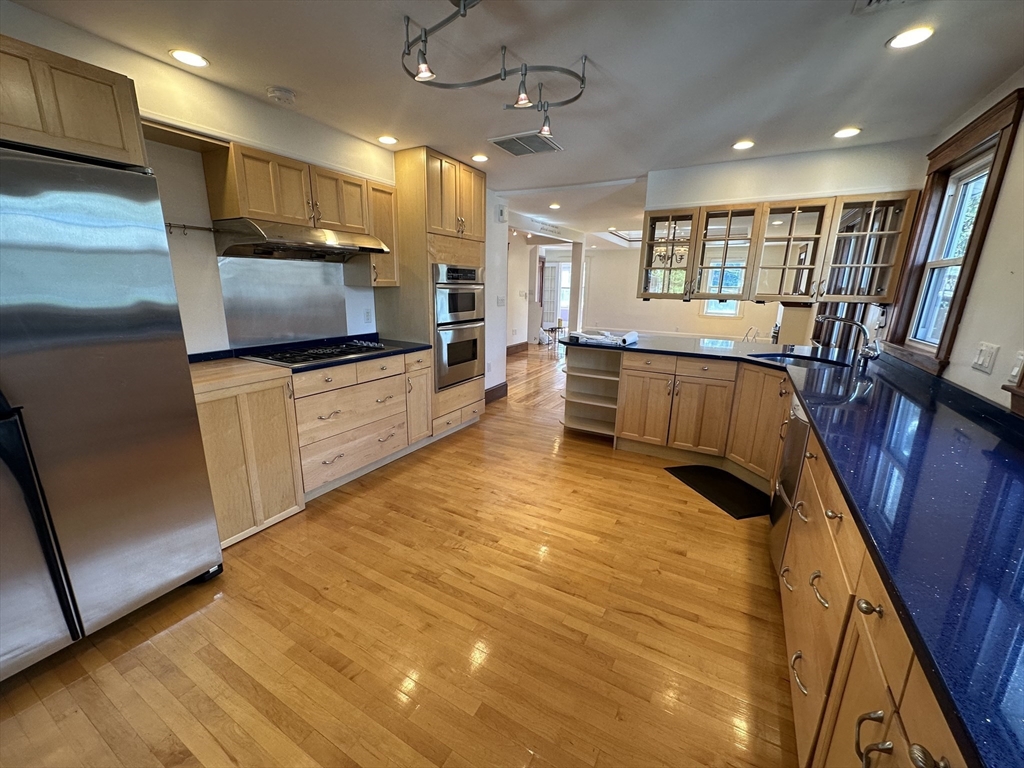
935,479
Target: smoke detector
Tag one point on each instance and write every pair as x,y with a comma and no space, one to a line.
281,95
529,143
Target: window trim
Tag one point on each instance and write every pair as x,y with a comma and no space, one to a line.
995,128
705,313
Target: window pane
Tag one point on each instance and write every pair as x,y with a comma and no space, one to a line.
659,228
724,308
808,222
737,253
779,222
966,212
714,253
798,282
938,294
710,280
677,281
732,281
716,224
742,224
847,249
655,281
679,254
888,216
840,281
681,227
769,282
801,253
659,255
854,217
880,249
774,254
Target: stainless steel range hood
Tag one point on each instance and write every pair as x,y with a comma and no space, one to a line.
254,239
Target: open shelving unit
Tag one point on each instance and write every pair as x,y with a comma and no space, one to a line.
591,389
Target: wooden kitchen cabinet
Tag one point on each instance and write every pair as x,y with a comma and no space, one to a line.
251,444
700,414
56,102
793,235
383,223
456,198
644,406
419,388
247,182
762,402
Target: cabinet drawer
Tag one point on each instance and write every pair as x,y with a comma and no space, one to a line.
640,361
884,628
415,361
326,460
847,539
472,411
446,422
331,413
923,721
706,369
382,367
323,380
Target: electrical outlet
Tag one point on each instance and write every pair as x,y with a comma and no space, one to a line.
985,359
1017,365
515,331
367,316
501,301
488,367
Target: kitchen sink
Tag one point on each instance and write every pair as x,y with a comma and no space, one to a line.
803,361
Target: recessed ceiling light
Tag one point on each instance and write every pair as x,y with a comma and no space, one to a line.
554,206
187,57
911,37
479,158
845,133
387,140
743,144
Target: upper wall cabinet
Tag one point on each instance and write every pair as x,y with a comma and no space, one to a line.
867,245
247,182
665,254
383,226
848,249
792,250
52,101
456,198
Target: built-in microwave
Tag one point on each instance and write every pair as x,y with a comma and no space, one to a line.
458,353
458,294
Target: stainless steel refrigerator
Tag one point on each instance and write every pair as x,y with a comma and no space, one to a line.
105,503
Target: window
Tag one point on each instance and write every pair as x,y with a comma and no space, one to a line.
714,308
953,233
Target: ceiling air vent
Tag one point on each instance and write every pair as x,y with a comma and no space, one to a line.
870,6
526,144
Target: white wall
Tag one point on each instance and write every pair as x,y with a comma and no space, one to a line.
519,279
856,170
172,95
995,306
495,288
610,303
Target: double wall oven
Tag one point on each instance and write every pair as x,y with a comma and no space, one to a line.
458,324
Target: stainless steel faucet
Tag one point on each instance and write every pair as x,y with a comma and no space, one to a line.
868,351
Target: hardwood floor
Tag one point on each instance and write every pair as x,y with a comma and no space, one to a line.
513,595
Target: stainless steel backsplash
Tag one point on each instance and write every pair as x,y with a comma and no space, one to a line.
272,302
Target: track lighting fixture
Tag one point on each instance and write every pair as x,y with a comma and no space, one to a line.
424,74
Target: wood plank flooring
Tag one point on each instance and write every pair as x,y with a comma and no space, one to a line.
514,595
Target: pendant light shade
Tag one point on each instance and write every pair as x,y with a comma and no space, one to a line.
423,72
523,99
545,129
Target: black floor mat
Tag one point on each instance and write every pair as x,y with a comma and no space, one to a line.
724,490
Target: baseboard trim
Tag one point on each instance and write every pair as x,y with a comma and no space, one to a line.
515,349
496,392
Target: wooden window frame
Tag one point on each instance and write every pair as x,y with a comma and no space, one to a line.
996,127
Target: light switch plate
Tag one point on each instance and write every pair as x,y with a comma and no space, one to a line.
985,359
501,301
1017,365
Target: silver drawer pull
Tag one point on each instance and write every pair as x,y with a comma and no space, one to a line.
410,385
384,399
704,368
831,514
383,367
922,758
878,716
385,439
810,455
328,379
330,415
782,574
814,577
648,362
796,676
882,746
420,360
867,608
448,423
475,411
339,456
801,515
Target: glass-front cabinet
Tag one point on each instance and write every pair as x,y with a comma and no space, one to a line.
867,246
726,250
792,250
665,255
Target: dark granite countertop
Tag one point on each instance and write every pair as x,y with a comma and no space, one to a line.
935,478
400,348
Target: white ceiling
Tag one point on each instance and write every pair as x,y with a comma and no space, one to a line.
670,84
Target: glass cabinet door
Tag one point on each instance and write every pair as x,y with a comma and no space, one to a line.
729,237
665,254
793,235
867,246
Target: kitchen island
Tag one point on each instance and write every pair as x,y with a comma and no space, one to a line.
933,479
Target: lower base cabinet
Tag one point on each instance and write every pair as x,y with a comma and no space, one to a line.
762,403
251,445
419,387
700,415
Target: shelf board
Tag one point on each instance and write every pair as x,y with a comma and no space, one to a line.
592,373
589,425
599,400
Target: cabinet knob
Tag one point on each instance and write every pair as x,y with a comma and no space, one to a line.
922,758
328,379
831,514
383,367
867,608
419,360
448,423
648,362
809,455
704,368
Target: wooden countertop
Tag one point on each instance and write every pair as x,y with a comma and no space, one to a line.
231,372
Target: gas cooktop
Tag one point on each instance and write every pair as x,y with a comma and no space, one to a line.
301,356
